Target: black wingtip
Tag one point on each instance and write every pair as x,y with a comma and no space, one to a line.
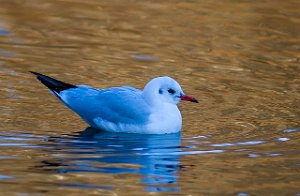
33,72
53,84
37,74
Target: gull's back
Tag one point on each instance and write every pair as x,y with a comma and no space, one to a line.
118,105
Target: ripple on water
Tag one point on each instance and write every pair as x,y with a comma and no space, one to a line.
283,139
242,62
4,32
5,177
156,157
239,143
292,130
145,57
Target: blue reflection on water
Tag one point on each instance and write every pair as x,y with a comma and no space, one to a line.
7,53
145,57
3,32
155,157
5,177
3,52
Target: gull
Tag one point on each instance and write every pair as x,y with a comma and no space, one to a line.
152,110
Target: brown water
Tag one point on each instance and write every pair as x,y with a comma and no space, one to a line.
241,59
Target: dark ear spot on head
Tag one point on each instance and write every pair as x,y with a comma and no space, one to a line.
171,91
160,91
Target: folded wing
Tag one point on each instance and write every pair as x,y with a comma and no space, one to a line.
117,105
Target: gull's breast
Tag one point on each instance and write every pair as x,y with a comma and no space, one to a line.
164,120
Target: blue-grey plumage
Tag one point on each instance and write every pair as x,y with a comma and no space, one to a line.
152,110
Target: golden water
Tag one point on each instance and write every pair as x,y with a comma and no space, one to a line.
239,58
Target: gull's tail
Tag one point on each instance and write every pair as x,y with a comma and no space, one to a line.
54,85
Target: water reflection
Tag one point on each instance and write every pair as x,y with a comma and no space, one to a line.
155,157
240,57
3,32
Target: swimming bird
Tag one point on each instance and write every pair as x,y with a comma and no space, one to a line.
152,110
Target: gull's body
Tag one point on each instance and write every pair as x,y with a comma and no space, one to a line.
152,110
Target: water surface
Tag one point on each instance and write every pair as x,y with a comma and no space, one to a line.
239,58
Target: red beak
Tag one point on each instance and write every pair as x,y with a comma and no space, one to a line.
188,98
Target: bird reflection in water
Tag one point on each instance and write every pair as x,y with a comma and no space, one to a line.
155,157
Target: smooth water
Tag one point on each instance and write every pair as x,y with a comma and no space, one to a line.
240,59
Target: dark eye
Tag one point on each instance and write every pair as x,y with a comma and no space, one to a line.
171,91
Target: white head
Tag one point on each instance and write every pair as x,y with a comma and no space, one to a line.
165,90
